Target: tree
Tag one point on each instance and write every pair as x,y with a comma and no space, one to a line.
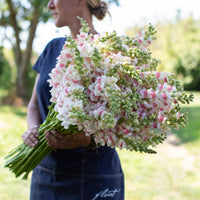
187,50
19,17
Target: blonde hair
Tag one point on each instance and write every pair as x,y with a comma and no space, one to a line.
98,8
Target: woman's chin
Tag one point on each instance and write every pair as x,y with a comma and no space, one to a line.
58,24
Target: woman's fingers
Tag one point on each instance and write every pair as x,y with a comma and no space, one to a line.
30,137
33,139
51,140
57,135
35,132
54,139
59,141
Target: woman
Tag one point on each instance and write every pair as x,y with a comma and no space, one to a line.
75,171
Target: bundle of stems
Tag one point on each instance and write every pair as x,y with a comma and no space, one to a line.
23,159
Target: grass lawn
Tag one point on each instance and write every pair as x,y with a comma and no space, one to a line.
12,124
171,174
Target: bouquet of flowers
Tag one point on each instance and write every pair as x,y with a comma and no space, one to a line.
107,86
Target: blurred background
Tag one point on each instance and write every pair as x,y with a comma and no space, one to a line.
26,27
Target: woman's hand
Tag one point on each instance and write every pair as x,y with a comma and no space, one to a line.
59,141
30,137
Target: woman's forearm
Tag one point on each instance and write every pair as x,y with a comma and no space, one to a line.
33,113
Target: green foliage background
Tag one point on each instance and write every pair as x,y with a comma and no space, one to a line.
6,79
178,47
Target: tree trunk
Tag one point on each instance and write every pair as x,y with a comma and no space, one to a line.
20,83
19,12
14,24
22,68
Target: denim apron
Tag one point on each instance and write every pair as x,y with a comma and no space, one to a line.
79,174
76,174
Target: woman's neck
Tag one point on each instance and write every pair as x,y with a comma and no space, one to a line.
75,26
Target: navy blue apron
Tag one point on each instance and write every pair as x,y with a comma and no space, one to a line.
85,175
76,174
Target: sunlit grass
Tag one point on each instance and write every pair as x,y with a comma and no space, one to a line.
173,173
12,125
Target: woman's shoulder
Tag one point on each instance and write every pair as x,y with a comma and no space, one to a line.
54,46
56,41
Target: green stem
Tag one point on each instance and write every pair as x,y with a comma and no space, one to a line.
23,159
35,153
36,161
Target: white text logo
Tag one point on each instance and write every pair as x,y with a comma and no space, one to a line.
106,193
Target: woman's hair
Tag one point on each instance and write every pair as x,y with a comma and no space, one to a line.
98,8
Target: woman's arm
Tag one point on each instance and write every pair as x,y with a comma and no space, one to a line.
33,119
33,114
